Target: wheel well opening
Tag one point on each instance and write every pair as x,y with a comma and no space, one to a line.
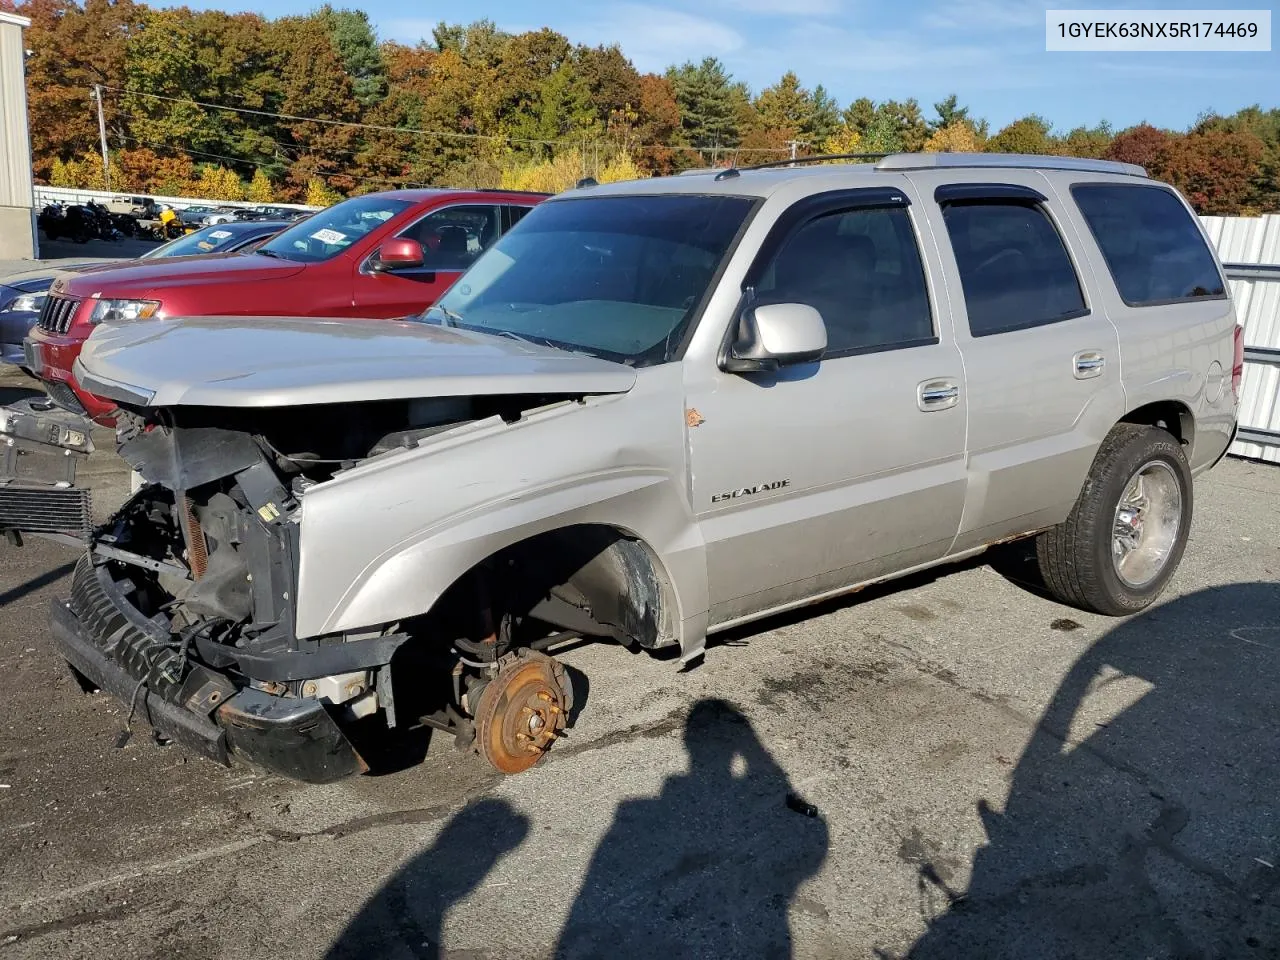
1168,415
590,579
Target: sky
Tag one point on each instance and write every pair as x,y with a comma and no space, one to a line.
989,52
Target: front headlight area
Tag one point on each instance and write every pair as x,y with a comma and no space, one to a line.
24,303
116,311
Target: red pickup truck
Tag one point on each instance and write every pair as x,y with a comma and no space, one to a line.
382,255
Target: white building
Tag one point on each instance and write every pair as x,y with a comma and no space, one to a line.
17,213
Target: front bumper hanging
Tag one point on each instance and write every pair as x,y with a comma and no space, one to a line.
132,657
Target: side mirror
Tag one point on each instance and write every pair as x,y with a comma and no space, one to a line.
397,254
776,334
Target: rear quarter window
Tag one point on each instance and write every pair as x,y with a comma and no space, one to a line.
1151,243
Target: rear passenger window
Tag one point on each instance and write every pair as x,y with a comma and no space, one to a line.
1152,246
861,270
1013,266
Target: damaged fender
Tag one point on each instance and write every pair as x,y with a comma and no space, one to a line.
385,540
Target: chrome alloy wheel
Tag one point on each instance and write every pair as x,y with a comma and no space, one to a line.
1147,522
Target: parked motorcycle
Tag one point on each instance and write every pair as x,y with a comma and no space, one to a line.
51,220
125,223
100,222
76,224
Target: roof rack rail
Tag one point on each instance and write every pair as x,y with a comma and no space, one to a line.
816,158
925,161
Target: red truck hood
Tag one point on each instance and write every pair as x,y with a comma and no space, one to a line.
135,280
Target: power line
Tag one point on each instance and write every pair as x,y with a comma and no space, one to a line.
264,166
442,134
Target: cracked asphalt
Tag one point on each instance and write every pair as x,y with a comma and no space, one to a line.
994,775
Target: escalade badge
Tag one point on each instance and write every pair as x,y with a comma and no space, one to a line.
750,491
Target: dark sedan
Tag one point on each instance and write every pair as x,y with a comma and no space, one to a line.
22,294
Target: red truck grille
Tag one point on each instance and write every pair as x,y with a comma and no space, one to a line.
57,313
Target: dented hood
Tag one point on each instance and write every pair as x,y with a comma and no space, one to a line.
285,361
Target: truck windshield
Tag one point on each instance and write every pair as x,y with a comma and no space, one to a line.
327,233
619,277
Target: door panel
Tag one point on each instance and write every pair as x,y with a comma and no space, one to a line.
1041,360
1034,427
872,484
821,475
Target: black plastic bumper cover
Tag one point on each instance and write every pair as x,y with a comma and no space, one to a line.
291,737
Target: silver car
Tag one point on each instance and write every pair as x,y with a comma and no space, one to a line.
651,412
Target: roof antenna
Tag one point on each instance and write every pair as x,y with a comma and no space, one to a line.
586,182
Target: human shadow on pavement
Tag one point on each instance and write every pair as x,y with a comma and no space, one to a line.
404,918
709,867
1153,830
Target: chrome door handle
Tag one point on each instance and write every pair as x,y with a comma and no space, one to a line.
937,395
1089,363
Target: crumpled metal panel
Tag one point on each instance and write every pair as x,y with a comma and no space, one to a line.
1255,240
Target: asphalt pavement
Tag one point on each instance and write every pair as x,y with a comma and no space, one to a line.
990,775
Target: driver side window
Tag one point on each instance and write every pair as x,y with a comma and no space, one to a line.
861,269
454,237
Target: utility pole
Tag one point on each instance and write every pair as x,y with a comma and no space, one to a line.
102,136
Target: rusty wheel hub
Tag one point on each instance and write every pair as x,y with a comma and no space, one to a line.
522,711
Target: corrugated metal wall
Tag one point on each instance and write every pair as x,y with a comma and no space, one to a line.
15,145
1255,241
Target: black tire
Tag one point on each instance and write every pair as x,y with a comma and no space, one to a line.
1075,557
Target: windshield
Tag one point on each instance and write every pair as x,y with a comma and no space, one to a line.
326,234
217,239
618,277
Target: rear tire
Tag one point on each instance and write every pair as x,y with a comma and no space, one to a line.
1124,538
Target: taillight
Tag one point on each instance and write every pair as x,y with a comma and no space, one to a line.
1237,363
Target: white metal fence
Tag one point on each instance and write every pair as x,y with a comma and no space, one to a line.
1249,248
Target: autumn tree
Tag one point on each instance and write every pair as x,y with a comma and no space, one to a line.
657,124
73,48
956,137
313,83
319,195
1214,170
1028,134
1265,125
1091,142
219,183
260,189
1141,144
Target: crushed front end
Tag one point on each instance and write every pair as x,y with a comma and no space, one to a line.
182,608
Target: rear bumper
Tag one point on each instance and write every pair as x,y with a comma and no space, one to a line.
130,656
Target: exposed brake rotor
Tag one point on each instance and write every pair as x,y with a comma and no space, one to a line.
523,710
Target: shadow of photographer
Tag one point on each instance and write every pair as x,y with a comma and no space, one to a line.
1142,816
707,868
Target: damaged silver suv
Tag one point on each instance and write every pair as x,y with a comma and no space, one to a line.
652,411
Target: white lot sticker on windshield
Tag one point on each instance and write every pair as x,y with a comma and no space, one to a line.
220,234
328,236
